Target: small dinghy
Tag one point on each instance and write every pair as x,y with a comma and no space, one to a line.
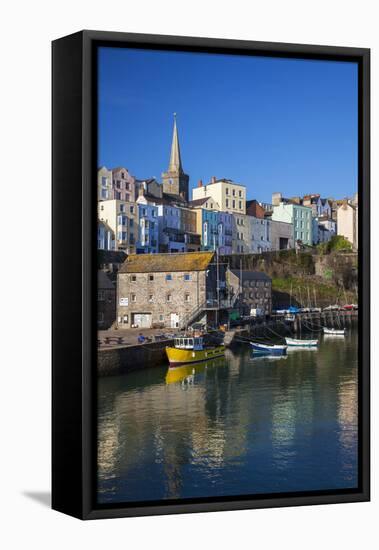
293,342
334,331
268,349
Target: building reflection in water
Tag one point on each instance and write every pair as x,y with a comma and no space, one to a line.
237,426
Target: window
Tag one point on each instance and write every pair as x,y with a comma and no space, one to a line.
169,277
104,194
151,277
132,209
187,297
125,319
227,190
168,298
240,205
187,277
122,175
100,295
234,203
234,192
100,317
161,317
211,205
133,297
122,207
240,193
151,297
227,203
133,278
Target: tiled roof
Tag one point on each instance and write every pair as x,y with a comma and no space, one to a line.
154,263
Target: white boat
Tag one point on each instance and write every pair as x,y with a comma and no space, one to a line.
268,349
334,331
301,343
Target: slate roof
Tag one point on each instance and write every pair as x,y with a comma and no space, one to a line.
110,257
155,263
251,275
198,202
174,198
104,282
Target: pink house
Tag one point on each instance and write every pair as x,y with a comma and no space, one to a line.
123,184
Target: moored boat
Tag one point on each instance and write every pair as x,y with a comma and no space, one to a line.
334,331
268,349
293,342
191,349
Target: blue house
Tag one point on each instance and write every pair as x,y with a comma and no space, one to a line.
148,230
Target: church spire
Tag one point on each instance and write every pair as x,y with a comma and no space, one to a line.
175,164
175,181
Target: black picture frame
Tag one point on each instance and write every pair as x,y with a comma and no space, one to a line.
74,132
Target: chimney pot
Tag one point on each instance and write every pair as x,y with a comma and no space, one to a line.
200,184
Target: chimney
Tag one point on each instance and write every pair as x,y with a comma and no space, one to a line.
141,191
276,198
200,184
213,179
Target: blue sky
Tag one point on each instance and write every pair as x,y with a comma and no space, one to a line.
270,124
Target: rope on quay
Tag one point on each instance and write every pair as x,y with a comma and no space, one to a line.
276,333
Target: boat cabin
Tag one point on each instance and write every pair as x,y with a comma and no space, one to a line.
189,343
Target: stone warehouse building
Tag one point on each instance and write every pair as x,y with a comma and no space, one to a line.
169,290
254,291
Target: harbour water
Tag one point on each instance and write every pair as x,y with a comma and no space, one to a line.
240,426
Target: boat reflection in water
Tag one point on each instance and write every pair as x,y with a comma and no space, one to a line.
188,373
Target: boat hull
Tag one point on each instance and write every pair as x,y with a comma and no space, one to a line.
262,349
334,332
292,342
177,357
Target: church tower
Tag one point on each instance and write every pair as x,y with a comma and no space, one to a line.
175,181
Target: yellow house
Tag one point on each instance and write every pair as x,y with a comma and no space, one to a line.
122,218
347,222
223,194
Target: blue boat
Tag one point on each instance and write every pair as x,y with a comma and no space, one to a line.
268,349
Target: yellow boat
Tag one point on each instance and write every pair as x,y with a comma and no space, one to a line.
192,350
